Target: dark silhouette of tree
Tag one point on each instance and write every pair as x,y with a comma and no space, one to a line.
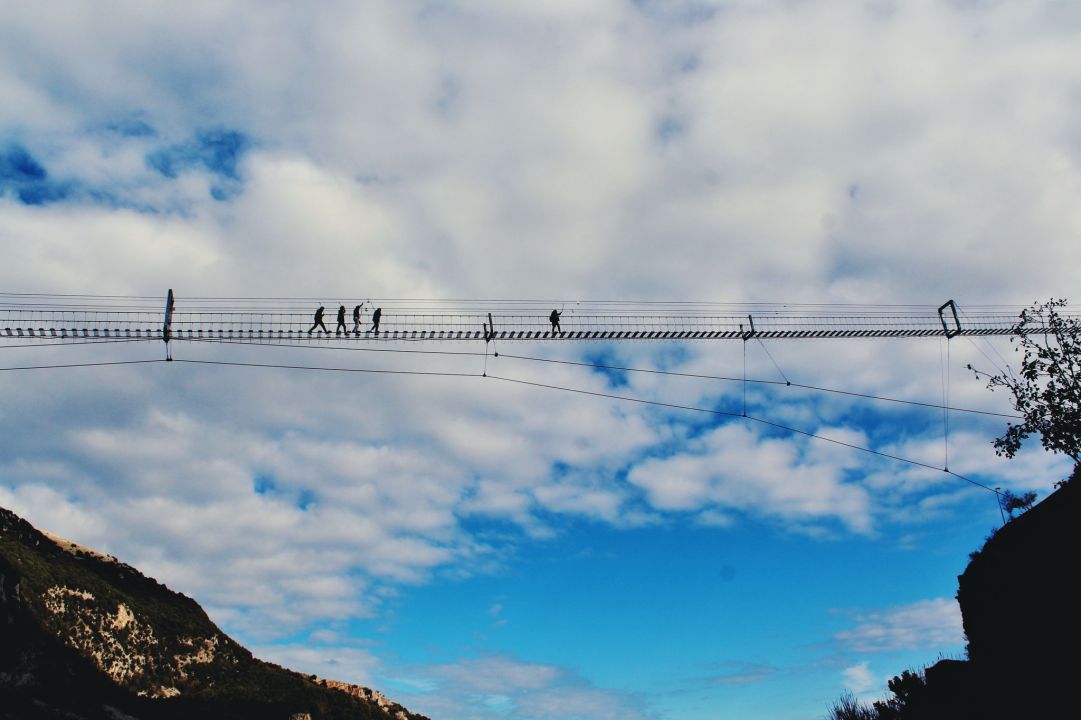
909,701
1010,502
1047,390
909,690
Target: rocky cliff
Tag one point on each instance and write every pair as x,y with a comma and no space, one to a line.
1021,606
84,636
1020,598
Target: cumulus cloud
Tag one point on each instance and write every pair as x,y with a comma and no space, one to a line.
450,122
733,467
932,624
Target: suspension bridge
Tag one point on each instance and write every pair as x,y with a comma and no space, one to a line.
28,320
47,319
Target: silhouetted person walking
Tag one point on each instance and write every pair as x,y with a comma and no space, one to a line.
341,322
356,321
376,317
319,321
554,319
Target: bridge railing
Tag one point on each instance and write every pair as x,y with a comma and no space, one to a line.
84,318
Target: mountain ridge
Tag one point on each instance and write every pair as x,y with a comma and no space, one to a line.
84,635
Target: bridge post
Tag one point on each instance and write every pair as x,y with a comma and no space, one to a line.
750,333
167,325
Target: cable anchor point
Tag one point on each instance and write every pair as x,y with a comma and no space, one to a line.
946,325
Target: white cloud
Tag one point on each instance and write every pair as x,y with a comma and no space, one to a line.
495,158
859,678
743,674
497,674
926,624
356,666
490,686
732,467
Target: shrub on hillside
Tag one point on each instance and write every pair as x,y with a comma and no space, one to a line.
909,690
848,707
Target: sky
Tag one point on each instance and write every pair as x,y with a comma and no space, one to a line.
489,551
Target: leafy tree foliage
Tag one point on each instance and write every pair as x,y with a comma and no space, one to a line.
1047,390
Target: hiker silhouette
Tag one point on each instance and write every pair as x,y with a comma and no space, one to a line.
319,321
376,316
554,319
341,321
356,320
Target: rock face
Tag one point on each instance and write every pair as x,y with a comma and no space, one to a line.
1020,598
1021,606
84,636
368,695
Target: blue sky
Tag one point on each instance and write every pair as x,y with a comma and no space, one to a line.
477,549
